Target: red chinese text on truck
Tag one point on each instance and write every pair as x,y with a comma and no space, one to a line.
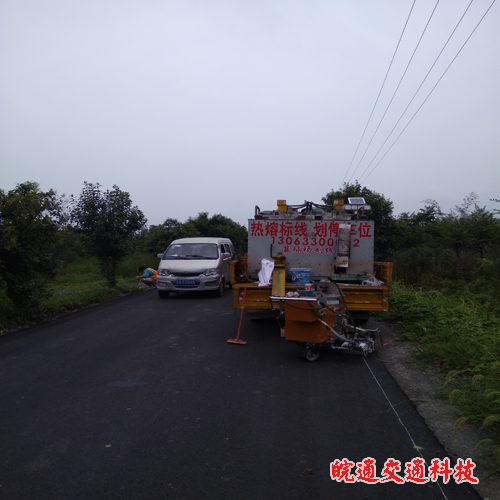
332,244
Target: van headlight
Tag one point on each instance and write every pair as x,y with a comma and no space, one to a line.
164,272
210,272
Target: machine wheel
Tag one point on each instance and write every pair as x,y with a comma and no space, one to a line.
312,354
220,291
163,294
309,353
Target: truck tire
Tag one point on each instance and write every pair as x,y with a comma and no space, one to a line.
360,318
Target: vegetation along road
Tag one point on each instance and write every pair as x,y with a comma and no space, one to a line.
144,398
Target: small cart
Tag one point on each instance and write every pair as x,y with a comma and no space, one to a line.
320,319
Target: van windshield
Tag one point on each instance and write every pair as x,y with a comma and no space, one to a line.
201,251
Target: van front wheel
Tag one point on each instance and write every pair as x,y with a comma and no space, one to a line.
163,294
220,291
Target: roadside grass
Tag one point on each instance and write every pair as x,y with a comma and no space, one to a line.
463,341
76,285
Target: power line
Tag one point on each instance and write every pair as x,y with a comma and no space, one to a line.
380,92
418,89
432,90
397,88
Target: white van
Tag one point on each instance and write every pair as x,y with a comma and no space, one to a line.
195,264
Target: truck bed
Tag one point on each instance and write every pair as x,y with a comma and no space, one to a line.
358,297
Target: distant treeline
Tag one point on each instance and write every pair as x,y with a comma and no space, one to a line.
39,231
457,253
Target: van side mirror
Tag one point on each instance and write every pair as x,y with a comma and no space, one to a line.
159,256
226,255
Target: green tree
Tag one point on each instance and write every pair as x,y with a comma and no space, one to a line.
220,226
469,228
108,221
160,236
416,251
484,230
435,247
496,211
380,213
29,223
416,229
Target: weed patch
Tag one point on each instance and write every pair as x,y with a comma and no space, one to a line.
77,284
462,340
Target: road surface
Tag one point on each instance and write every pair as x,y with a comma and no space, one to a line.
144,398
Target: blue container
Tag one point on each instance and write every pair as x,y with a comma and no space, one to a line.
301,275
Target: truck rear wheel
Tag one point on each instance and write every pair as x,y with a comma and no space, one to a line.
360,318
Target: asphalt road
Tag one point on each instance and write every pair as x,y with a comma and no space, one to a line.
144,398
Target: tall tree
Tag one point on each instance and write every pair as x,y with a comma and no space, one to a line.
160,236
29,223
496,210
107,220
220,226
415,229
468,227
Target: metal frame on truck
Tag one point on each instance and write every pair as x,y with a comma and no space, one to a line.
334,242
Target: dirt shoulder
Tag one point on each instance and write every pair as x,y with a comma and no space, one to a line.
422,386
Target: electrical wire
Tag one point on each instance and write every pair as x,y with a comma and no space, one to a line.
397,88
379,93
432,90
418,89
398,416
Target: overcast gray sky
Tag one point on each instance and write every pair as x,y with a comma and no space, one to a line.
221,105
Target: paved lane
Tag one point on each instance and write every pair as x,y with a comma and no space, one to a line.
144,398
